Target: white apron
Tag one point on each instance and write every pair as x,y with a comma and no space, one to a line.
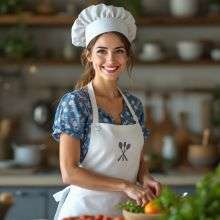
114,150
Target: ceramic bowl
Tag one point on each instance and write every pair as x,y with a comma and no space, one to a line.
140,216
189,50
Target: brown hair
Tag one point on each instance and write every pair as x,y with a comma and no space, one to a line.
89,73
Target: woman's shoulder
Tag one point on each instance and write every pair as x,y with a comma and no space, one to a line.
77,95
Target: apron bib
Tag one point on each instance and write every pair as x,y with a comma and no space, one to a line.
114,150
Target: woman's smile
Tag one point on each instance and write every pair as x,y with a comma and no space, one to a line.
110,70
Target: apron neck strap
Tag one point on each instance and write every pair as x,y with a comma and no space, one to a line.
129,106
95,108
93,102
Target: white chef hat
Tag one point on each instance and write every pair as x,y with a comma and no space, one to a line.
97,19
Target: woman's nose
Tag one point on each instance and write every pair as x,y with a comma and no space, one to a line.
111,57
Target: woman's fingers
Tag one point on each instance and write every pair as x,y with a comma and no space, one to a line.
154,185
141,195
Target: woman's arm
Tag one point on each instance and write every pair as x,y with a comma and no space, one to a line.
75,175
146,180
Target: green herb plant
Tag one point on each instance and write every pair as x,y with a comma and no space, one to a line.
11,6
204,204
131,206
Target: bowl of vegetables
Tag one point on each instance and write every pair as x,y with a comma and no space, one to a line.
132,211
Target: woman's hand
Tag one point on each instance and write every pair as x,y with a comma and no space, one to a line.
153,185
140,194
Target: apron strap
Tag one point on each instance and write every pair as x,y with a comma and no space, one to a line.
94,104
129,107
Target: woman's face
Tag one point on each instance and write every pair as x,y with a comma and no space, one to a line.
108,56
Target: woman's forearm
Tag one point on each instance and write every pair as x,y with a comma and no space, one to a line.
143,171
88,179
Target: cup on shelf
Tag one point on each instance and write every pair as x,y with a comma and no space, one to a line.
151,51
189,50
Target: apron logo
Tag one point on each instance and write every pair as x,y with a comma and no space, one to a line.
124,147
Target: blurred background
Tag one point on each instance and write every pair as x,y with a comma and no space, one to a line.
176,75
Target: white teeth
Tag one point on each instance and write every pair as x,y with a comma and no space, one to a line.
111,68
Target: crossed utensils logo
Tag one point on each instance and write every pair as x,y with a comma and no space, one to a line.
124,147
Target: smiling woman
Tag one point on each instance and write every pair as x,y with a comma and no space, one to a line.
101,128
123,50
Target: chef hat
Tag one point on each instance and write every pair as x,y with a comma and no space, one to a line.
97,19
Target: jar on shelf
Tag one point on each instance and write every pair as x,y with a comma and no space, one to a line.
169,152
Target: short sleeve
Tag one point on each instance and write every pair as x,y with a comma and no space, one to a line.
141,118
70,117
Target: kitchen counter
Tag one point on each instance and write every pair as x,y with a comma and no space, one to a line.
54,179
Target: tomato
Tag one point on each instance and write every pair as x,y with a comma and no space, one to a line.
105,217
86,217
99,217
118,218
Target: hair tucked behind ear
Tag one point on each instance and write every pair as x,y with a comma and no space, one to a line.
89,73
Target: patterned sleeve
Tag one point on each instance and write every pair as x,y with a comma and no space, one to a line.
141,118
70,117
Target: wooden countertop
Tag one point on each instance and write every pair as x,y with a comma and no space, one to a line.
54,179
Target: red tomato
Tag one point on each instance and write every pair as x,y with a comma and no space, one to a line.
118,218
99,217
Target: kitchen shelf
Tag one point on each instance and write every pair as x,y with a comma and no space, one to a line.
65,20
61,62
46,62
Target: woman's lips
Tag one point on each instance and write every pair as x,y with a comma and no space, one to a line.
110,69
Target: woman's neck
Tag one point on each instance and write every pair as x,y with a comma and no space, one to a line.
108,89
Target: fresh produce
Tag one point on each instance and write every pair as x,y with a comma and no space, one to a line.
204,204
131,206
152,207
94,217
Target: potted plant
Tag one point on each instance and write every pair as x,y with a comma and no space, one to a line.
11,6
133,6
214,6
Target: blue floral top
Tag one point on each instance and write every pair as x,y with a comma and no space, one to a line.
74,117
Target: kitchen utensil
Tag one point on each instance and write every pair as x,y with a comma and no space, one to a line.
204,155
183,137
139,216
189,50
28,155
42,114
6,201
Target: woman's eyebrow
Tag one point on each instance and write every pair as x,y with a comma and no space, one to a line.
121,47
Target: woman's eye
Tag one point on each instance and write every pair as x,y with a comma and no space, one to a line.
120,51
101,51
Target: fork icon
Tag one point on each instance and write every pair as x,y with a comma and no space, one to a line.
124,147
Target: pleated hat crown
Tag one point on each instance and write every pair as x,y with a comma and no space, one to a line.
98,19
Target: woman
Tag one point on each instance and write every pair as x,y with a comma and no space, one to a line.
101,129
